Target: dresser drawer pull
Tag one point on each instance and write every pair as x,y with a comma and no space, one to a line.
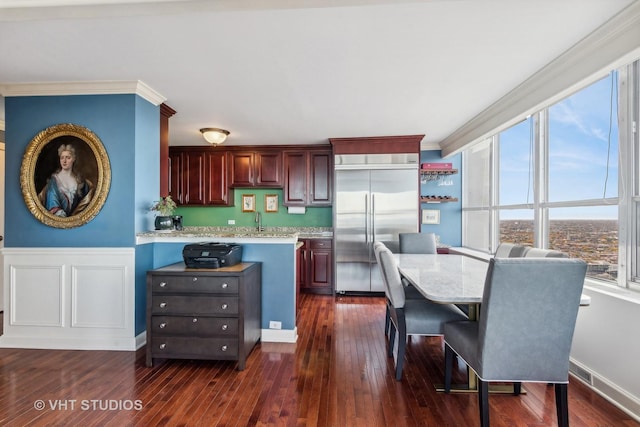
224,306
224,348
163,346
163,284
162,325
163,304
195,320
224,327
225,286
195,279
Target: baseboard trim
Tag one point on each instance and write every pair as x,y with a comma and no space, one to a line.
618,397
115,344
279,335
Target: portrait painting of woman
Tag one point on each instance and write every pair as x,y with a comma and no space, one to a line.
65,176
66,192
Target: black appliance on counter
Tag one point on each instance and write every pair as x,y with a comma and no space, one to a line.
211,255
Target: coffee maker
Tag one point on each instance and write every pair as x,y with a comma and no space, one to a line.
177,222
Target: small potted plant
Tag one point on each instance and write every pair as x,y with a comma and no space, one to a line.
165,208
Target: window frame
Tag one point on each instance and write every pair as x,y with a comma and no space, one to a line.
627,200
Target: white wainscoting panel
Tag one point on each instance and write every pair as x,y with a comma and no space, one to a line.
36,295
96,286
69,298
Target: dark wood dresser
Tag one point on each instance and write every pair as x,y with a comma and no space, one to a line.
203,313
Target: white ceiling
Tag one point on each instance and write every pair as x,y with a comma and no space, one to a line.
299,72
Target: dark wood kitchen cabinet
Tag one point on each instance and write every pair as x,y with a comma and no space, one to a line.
315,266
308,177
256,168
212,314
198,177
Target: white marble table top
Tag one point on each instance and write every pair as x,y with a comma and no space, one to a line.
449,279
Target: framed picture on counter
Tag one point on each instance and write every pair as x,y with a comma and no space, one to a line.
248,203
271,203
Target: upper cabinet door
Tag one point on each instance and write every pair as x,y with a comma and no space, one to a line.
268,167
320,178
241,169
175,176
194,179
217,190
308,178
295,178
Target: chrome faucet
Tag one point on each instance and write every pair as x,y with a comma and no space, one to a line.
259,221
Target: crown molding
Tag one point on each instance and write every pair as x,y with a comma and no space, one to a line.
612,45
82,88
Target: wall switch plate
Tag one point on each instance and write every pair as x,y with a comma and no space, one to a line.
231,221
275,324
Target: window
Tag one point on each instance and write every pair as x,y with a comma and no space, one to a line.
555,180
516,164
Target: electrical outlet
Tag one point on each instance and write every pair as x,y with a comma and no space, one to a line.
273,324
231,221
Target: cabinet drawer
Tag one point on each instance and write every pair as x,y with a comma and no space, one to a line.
195,284
194,326
194,347
194,305
320,243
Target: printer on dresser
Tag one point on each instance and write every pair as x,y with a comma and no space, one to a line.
203,313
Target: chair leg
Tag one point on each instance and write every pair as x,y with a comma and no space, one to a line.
562,405
392,339
387,322
448,362
483,402
402,347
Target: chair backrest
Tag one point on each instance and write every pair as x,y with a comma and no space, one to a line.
511,250
377,248
528,316
391,278
544,253
417,243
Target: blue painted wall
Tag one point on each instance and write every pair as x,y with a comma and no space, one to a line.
129,128
450,227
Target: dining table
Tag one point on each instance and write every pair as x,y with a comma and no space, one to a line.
453,279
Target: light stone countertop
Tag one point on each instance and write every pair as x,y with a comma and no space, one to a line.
235,234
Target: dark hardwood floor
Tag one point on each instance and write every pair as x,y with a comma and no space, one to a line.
336,375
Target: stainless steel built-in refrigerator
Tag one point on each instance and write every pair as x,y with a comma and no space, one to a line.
376,197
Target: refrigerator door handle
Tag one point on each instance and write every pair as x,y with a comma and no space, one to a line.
373,218
366,216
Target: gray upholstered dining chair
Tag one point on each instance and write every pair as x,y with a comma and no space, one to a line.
511,250
410,291
525,329
377,247
544,253
417,243
410,317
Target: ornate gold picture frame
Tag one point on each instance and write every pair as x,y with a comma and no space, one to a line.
65,176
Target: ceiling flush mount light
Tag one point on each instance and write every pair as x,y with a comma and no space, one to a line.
214,136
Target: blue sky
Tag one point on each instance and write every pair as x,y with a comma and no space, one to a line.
579,135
